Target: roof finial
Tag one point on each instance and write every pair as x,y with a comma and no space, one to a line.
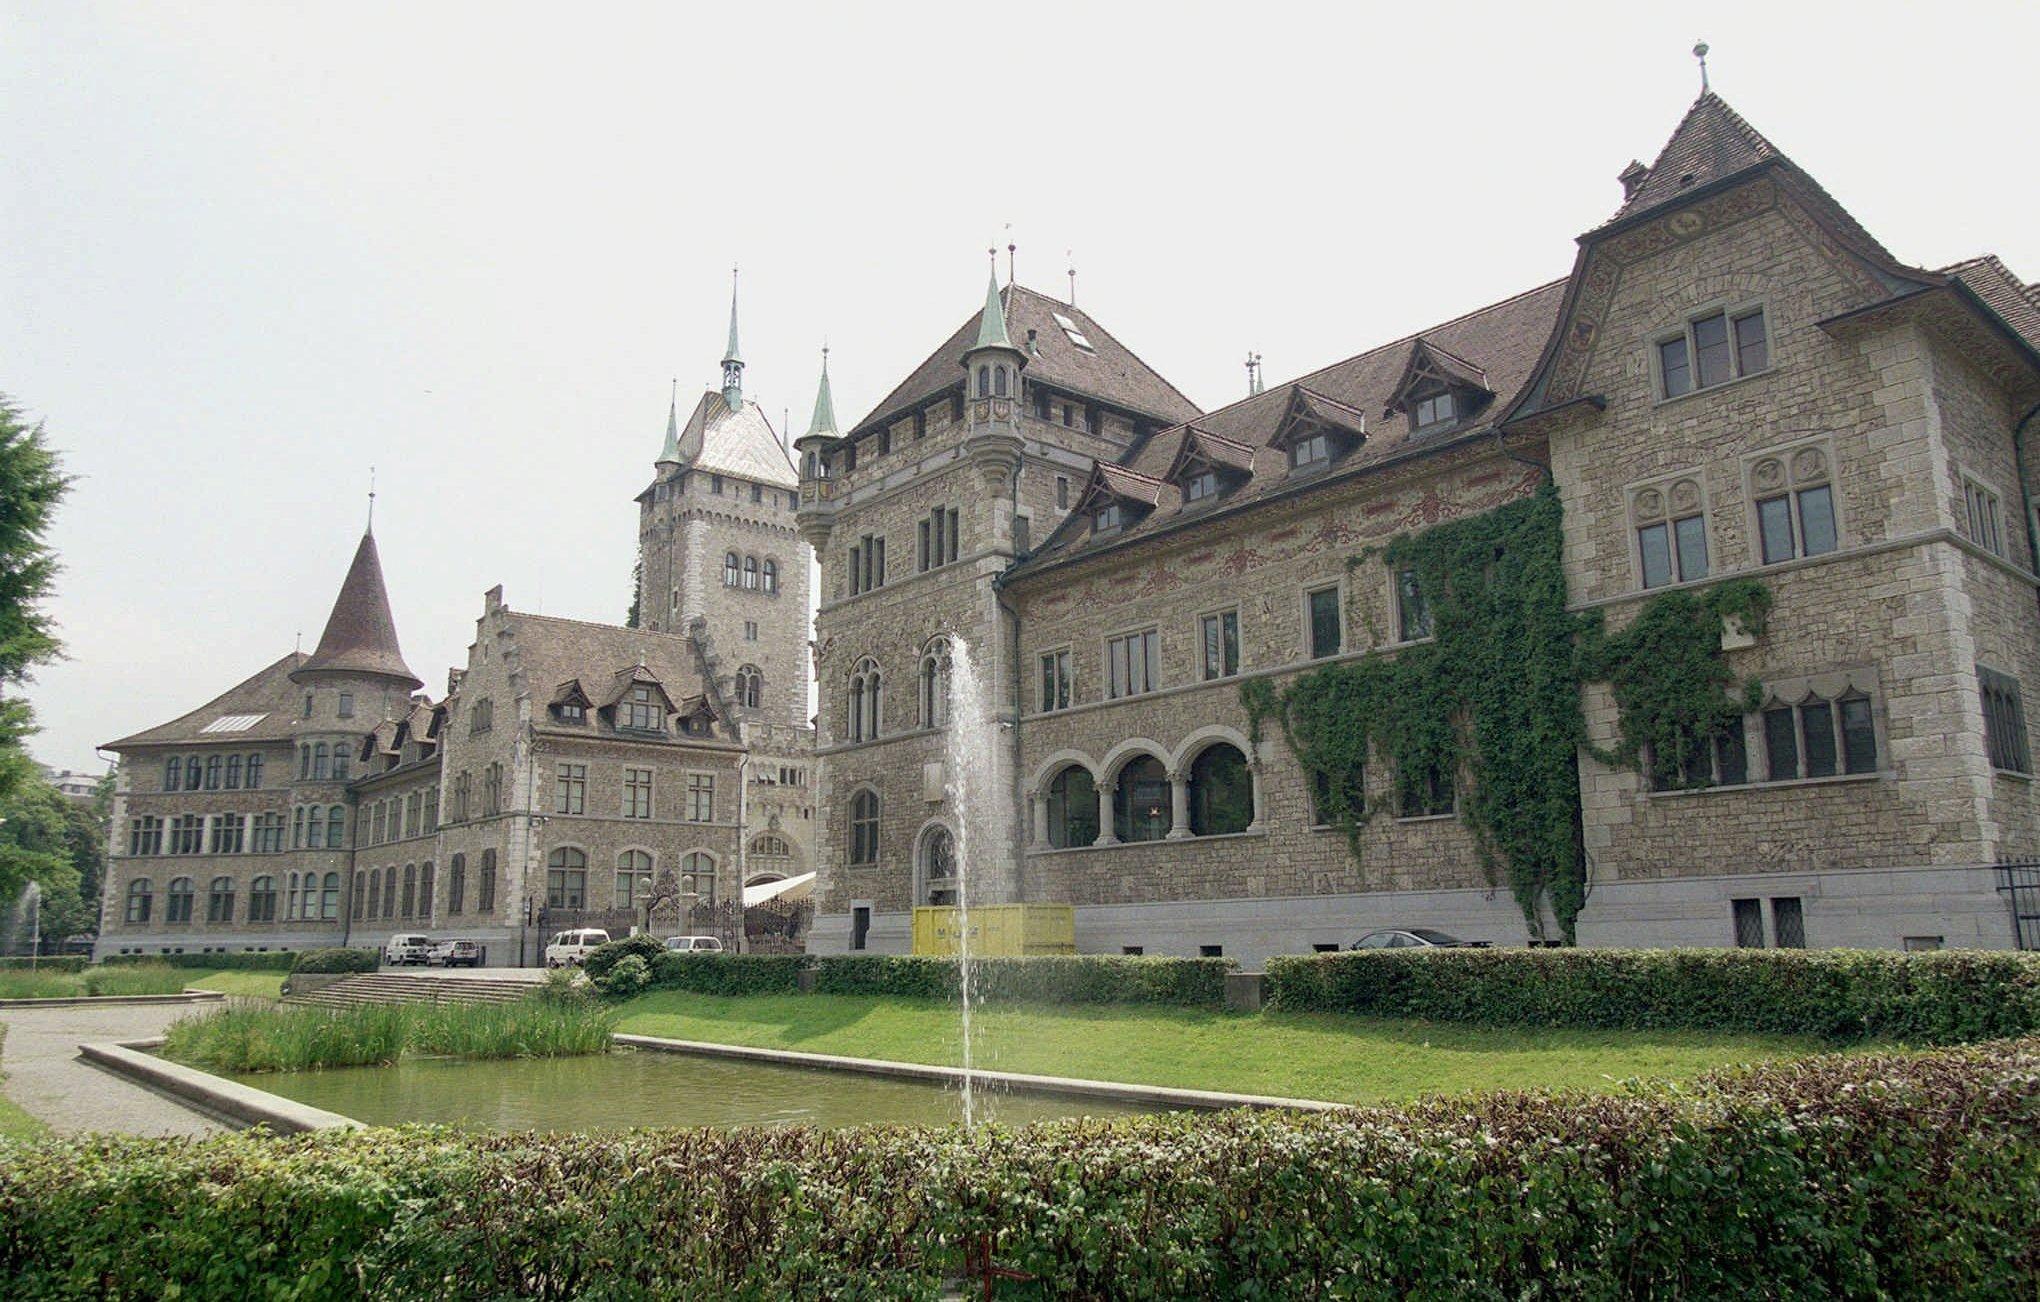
371,500
733,359
1253,374
1011,249
1071,254
1700,53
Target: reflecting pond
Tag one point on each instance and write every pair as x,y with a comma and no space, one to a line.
615,1090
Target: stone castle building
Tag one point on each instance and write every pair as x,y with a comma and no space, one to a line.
571,772
1736,379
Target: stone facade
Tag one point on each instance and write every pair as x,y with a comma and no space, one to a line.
1736,379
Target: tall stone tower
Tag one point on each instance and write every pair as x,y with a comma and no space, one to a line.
718,553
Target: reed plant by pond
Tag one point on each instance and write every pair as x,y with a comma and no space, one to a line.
302,1039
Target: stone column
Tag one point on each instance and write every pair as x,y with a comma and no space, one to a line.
1179,806
1254,772
1105,836
1037,818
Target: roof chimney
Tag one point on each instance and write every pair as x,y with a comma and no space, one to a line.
1633,177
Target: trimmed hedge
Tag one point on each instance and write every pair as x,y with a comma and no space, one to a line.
275,960
1054,979
1839,995
338,960
728,974
51,963
1893,1175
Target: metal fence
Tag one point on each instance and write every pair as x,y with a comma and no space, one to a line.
2019,883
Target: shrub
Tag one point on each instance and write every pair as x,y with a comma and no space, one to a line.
22,984
1068,979
1839,995
564,988
275,960
625,978
135,979
728,974
49,963
603,957
337,960
1853,1175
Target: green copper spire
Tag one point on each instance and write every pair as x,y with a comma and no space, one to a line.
824,423
992,326
670,454
733,359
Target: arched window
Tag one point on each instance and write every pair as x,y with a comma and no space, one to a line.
730,570
938,866
456,883
322,762
315,827
255,772
864,827
290,898
219,900
751,573
1140,806
339,762
177,900
697,876
336,827
141,897
633,879
934,688
304,761
173,773
410,891
374,892
389,891
425,891
262,899
750,686
233,772
485,885
329,897
867,701
1221,791
999,381
771,573
984,381
214,765
191,773
566,879
360,896
1072,808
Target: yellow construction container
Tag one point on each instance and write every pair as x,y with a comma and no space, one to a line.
998,930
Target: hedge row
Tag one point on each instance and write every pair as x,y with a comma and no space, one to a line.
1839,995
51,963
1850,1175
275,960
338,960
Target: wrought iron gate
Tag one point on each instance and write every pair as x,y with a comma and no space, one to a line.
2019,883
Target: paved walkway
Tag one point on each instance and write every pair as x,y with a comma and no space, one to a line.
46,1077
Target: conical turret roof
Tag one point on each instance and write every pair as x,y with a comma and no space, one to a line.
361,635
823,425
992,325
670,454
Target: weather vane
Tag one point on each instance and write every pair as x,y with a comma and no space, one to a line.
1700,53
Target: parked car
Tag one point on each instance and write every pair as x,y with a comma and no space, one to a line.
1415,938
455,953
402,950
571,948
694,944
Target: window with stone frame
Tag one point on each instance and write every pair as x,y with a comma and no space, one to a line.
1218,641
933,686
1055,680
492,790
1793,501
1716,759
1821,726
1133,664
187,834
701,797
2004,722
177,900
637,793
1324,622
1072,807
1669,520
268,833
219,900
570,789
336,827
229,832
1142,802
1426,791
482,717
456,884
633,879
485,884
1983,516
1412,608
145,835
566,879
262,899
140,900
255,771
864,827
865,714
936,541
644,712
215,766
1711,349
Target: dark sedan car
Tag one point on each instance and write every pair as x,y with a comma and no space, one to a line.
1415,938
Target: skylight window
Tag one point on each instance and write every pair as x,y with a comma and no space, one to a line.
234,723
1069,328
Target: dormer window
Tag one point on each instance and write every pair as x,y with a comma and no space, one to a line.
1438,409
571,712
1106,519
1310,452
1200,486
1438,388
642,712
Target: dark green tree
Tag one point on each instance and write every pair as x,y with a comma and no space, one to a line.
32,483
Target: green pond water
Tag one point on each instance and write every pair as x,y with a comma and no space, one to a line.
616,1090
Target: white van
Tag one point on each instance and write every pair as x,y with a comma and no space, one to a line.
571,948
407,949
694,944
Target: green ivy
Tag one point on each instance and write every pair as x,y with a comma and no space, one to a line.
1493,700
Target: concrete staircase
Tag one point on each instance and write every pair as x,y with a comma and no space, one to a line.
415,988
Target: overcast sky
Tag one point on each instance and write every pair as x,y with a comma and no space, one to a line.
251,250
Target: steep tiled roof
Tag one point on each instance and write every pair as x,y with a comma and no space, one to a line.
361,635
1107,371
1503,341
1710,143
553,652
739,442
267,697
2011,298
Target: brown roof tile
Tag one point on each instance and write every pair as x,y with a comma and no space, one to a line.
2008,296
361,634
258,708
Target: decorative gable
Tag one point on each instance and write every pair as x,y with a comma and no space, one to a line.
696,717
637,701
1317,430
1116,497
570,702
1438,388
1207,464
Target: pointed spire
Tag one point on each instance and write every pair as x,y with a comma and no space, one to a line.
733,357
670,454
361,634
992,325
824,423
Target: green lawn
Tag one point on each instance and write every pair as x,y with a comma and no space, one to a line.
137,979
1296,1055
260,985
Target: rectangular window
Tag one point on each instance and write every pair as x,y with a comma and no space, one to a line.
1221,644
1132,664
1774,523
1654,549
1310,452
346,705
1689,538
700,797
637,793
1710,351
1055,680
1424,793
1788,922
1106,518
1752,346
1731,756
187,834
570,789
566,888
1412,611
2004,722
1816,520
1062,493
1781,744
228,831
1327,622
1749,923
1986,529
1211,951
1713,349
1817,722
1434,410
860,926
1674,366
1200,486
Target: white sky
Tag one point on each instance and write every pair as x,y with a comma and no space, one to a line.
250,250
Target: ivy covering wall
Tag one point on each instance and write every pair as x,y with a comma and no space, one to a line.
1491,703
